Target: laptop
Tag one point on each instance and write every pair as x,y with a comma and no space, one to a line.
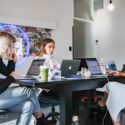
93,66
33,71
23,68
69,68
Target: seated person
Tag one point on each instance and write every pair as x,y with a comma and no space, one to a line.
113,97
17,98
46,50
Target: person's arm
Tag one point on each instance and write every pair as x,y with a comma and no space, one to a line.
9,72
11,65
4,84
6,70
122,74
117,73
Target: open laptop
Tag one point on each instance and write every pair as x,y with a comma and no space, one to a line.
23,68
69,68
33,71
93,66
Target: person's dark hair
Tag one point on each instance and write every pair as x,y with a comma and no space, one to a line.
46,41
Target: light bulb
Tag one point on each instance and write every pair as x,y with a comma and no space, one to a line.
110,6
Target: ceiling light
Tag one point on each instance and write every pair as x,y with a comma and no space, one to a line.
110,6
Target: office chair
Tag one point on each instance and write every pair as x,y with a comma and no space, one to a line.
47,99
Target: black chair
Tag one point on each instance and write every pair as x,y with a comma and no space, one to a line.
47,99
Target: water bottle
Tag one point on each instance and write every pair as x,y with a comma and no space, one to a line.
102,66
75,120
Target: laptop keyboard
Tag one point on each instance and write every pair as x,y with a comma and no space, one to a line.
24,77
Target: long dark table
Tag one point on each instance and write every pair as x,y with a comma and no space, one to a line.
66,87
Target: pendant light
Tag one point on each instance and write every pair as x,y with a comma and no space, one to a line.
110,6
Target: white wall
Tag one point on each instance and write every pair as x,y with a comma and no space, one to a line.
110,31
57,11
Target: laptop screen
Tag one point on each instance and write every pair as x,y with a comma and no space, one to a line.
93,66
34,68
69,67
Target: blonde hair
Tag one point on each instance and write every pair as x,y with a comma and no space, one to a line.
7,44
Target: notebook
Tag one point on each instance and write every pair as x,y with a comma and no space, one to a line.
93,66
33,71
69,68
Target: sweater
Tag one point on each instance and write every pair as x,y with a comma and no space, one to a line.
6,70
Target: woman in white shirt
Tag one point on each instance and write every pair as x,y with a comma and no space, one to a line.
46,52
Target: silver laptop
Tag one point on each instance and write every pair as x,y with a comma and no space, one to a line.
23,68
69,67
33,71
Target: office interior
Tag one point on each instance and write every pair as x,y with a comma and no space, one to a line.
107,27
103,34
